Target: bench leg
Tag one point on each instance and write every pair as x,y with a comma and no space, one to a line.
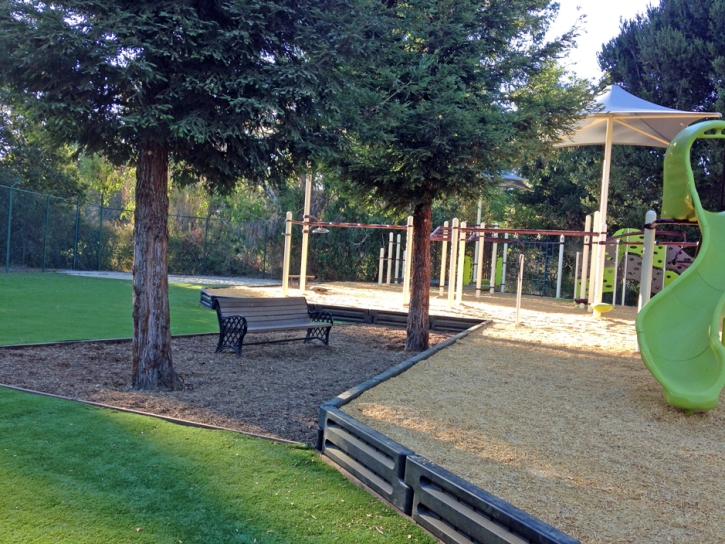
232,331
319,333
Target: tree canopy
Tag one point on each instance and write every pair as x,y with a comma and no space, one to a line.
222,89
461,91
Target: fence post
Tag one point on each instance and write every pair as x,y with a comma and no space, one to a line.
287,252
454,260
203,247
444,257
560,267
264,252
645,283
409,251
494,256
75,237
100,233
45,233
461,261
10,218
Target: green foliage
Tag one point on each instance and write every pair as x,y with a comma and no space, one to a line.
674,55
86,475
55,307
28,156
461,91
227,87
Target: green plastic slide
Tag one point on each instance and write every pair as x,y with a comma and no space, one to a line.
679,329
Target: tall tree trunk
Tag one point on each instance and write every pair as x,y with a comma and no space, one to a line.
418,312
152,367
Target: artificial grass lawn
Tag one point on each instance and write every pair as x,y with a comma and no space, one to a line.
74,473
53,307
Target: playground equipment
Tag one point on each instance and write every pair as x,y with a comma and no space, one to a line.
679,330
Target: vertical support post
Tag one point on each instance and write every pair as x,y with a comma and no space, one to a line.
381,265
452,269
479,264
591,292
444,257
585,261
10,224
203,247
390,258
287,252
397,260
305,232
477,253
75,238
648,253
461,261
504,258
624,272
45,232
100,233
494,254
576,272
602,262
616,269
408,260
519,286
560,267
264,251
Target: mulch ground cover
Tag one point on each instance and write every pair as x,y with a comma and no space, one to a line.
273,389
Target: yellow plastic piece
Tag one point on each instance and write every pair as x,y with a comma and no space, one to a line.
679,329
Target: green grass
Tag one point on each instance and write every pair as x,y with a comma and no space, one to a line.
75,473
53,307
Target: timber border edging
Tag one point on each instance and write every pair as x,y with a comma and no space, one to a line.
449,507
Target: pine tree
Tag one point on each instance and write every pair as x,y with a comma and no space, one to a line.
222,89
462,90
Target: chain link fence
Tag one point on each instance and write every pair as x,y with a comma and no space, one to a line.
45,232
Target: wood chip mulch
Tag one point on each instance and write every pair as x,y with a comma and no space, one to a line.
273,389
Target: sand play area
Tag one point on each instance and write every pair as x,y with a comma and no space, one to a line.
557,416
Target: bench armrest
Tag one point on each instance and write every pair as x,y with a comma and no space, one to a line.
320,316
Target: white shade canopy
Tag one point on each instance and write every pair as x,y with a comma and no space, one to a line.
512,181
635,121
619,118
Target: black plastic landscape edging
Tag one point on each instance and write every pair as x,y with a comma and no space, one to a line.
96,341
449,507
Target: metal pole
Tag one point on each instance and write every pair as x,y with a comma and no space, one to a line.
585,262
75,240
452,268
599,225
381,260
45,233
100,233
408,260
479,264
305,232
477,248
601,263
390,259
591,292
461,262
203,247
444,256
397,260
645,286
616,269
576,272
503,263
560,267
624,272
494,252
264,251
10,219
287,252
519,286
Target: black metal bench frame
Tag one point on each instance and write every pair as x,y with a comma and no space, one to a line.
233,329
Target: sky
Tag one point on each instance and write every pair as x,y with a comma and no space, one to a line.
601,25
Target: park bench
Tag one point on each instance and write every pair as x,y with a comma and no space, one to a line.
240,316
